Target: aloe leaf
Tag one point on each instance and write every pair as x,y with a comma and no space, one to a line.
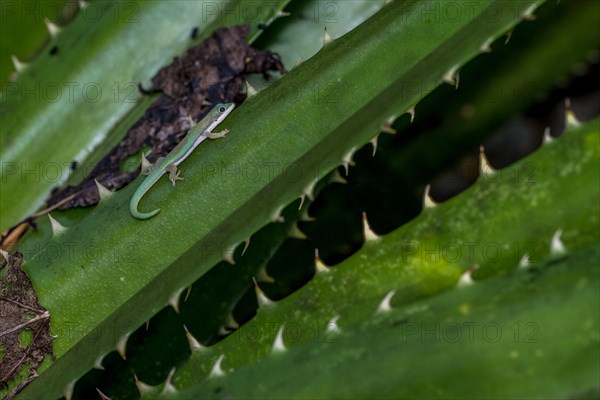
495,90
129,276
64,105
517,343
25,21
425,266
214,305
305,25
450,125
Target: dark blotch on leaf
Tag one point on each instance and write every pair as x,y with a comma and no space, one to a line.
399,322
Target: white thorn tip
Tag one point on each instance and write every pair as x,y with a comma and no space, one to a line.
309,191
302,198
263,276
224,331
326,37
142,387
146,165
319,264
217,369
122,345
82,4
102,395
231,323
19,66
557,247
466,278
332,326
452,76
347,160
336,177
250,90
571,120
528,13
174,299
486,46
278,344
68,393
305,216
246,244
169,388
261,299
547,136
53,29
374,144
428,202
195,345
296,233
103,192
484,165
524,262
387,128
57,228
229,253
368,233
386,305
411,112
276,216
98,362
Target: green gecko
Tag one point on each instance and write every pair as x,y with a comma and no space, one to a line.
196,135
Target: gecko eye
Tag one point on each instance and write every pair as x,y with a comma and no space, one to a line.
221,109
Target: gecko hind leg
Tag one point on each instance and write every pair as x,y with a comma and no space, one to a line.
174,173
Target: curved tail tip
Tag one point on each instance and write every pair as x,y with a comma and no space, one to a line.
140,215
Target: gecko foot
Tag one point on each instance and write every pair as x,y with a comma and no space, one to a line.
174,174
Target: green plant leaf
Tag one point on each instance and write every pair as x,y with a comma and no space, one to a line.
64,105
102,285
423,264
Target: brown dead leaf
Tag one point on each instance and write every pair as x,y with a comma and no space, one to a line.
20,311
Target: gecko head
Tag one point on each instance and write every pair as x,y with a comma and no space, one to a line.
221,111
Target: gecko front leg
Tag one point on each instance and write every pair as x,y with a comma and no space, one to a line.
174,173
217,135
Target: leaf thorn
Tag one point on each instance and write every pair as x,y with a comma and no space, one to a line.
278,344
368,233
385,305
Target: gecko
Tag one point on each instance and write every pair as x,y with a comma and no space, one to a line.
196,135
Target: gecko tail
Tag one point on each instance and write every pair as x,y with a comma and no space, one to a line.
140,215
